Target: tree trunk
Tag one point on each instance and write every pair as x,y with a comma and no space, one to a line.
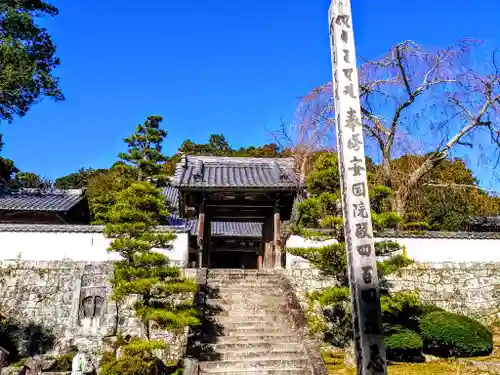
404,191
386,168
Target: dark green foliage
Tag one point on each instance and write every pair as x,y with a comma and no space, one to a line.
78,179
63,362
131,222
385,220
24,340
136,358
386,247
331,259
393,264
404,345
144,148
27,180
401,309
332,295
322,208
7,170
27,57
416,225
103,187
398,308
137,207
325,176
453,335
217,145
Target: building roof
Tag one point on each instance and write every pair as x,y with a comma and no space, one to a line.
71,228
485,222
172,195
219,228
235,172
40,200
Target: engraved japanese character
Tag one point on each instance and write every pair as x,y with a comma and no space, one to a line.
365,250
348,73
360,210
369,296
359,189
344,36
362,230
376,362
372,326
332,30
367,274
352,121
349,90
356,168
354,143
343,19
346,56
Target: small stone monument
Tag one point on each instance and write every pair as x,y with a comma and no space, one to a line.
3,357
79,365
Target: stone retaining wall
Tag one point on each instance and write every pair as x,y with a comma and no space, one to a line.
472,289
70,303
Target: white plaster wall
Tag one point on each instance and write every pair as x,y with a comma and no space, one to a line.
439,250
73,246
293,261
421,250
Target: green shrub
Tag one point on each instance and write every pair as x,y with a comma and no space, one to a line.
63,362
404,345
417,225
452,335
331,295
136,358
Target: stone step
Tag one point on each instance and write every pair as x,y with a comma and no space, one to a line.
258,353
246,304
255,364
245,319
276,338
241,312
246,316
254,346
227,331
241,293
255,326
243,277
245,286
242,270
248,298
262,371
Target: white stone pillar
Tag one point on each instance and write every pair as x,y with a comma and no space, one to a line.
363,278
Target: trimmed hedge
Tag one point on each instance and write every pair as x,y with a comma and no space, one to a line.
404,345
452,335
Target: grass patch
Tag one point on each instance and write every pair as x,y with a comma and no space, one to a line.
335,365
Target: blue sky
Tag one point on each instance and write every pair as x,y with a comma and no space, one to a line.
233,67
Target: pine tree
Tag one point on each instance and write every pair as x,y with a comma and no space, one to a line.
144,273
144,145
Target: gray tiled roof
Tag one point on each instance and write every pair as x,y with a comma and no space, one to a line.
486,221
434,234
172,195
214,171
40,200
230,229
51,228
219,228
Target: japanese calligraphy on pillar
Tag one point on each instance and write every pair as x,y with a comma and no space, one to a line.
365,294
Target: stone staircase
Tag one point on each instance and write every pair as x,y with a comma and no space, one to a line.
248,329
